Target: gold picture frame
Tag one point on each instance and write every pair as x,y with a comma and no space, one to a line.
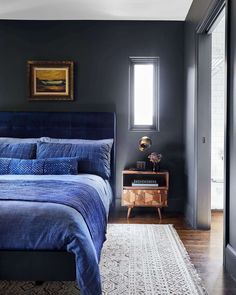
51,80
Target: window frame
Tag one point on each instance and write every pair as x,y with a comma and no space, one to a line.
155,62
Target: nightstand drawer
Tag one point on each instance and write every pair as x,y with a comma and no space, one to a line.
145,189
144,197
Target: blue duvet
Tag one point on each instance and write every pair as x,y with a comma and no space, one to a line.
57,212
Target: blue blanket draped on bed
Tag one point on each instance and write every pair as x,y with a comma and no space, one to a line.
83,198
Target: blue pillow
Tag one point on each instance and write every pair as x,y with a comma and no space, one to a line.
93,155
18,150
20,140
70,140
38,167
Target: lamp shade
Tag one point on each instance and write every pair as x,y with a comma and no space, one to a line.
144,143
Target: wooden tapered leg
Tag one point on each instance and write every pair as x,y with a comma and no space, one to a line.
129,211
159,212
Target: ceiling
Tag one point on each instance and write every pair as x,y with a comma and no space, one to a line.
94,9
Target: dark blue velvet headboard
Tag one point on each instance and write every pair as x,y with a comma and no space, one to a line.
87,125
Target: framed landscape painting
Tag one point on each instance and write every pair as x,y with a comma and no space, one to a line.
50,80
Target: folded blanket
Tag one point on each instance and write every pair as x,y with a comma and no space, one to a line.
79,196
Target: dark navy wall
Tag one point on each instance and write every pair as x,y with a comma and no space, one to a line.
198,9
101,51
230,208
195,15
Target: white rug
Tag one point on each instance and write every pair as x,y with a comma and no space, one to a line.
147,259
137,259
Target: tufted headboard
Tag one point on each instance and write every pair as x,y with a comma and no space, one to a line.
86,125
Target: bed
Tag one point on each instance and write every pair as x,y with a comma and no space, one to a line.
63,237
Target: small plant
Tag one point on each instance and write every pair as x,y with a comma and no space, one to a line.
155,159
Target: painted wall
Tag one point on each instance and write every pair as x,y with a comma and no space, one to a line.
230,219
101,53
194,17
198,9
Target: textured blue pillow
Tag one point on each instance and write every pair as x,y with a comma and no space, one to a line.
18,150
20,140
71,140
39,167
94,156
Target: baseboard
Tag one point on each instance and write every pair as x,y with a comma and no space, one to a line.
36,265
230,261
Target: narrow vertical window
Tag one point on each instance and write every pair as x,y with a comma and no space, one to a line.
143,93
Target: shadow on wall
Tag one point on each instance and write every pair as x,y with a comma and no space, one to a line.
174,162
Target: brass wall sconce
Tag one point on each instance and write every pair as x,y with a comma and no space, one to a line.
145,143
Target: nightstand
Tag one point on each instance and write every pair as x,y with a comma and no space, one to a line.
145,189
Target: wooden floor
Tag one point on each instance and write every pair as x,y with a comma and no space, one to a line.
205,248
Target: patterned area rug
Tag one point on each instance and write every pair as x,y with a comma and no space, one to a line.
137,259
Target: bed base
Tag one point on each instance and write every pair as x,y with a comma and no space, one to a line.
37,266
